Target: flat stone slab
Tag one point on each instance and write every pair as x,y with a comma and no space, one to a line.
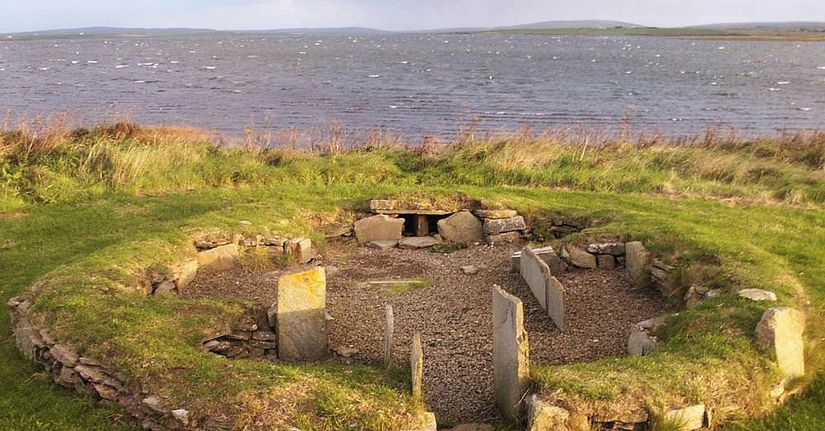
511,353
417,242
379,228
393,206
382,245
546,288
495,214
301,316
757,295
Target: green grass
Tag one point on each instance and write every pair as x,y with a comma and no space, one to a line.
406,285
730,213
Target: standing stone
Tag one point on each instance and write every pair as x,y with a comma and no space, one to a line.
580,258
780,334
417,369
220,258
379,228
511,353
422,225
497,226
637,261
301,317
389,330
462,226
546,288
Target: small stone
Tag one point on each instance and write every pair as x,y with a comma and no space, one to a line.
714,293
580,258
462,226
167,287
300,249
153,402
184,273
542,416
382,245
469,269
757,295
495,214
417,242
67,377
346,351
181,415
379,228
264,336
497,226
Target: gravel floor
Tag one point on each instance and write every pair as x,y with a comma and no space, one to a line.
453,315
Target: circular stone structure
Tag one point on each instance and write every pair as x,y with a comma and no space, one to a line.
446,299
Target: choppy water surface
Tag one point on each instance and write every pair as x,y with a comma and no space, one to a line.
419,84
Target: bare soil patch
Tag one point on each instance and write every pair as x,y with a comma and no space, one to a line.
453,315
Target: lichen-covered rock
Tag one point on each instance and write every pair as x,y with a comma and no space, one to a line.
462,226
495,214
301,316
757,295
379,228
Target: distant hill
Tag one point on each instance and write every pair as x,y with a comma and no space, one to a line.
114,31
573,24
776,26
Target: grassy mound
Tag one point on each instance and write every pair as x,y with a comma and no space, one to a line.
82,212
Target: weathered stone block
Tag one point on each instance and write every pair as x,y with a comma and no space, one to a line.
542,416
503,238
495,214
223,257
779,333
580,258
417,369
301,316
641,342
637,262
462,226
606,261
382,245
497,226
687,418
546,288
379,228
300,249
511,353
184,273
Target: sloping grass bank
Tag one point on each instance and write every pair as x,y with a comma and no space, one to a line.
75,203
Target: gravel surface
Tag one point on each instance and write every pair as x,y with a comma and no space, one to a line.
452,313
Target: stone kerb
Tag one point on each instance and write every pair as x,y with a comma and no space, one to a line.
301,316
546,288
511,353
779,333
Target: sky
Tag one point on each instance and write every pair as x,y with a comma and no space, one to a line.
29,15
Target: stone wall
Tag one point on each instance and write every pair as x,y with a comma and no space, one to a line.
251,337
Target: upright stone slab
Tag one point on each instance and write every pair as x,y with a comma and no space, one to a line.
546,288
780,334
422,225
417,369
637,262
389,330
379,228
511,353
301,316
